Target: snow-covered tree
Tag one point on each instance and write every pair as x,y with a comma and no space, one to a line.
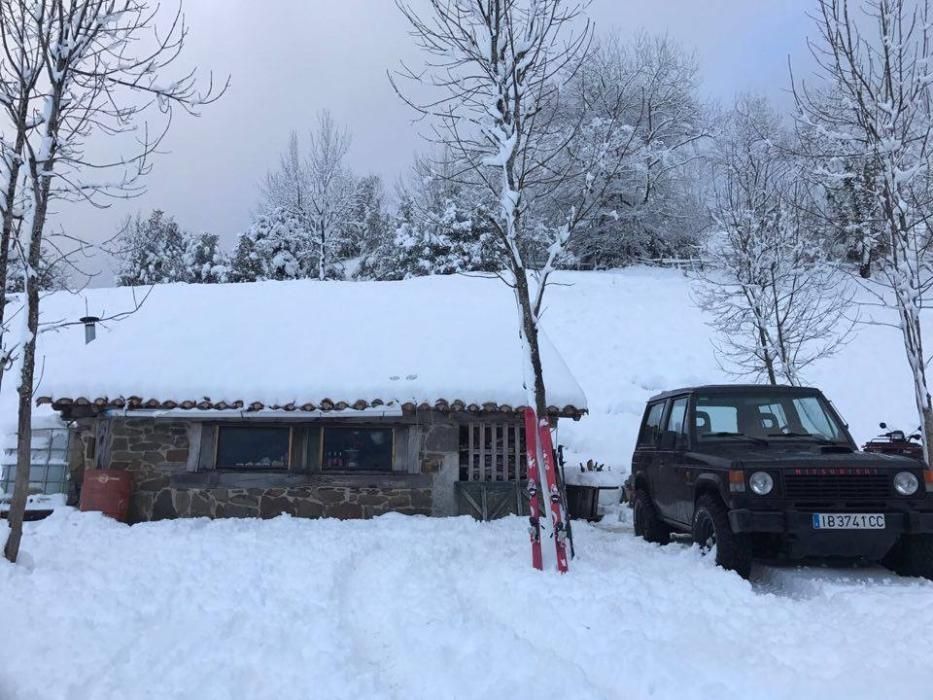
277,246
51,274
151,251
103,65
205,261
872,115
317,189
367,222
245,265
776,302
440,227
20,72
654,206
490,88
444,242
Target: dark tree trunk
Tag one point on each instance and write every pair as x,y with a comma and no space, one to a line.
27,379
530,331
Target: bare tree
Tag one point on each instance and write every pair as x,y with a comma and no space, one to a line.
317,187
773,297
20,69
97,80
495,69
872,113
651,209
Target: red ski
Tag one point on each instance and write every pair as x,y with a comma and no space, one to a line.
553,492
534,507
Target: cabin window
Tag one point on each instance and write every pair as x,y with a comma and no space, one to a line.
357,449
492,452
252,447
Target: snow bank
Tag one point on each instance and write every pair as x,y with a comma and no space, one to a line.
453,338
407,607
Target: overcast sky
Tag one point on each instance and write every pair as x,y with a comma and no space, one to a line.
287,59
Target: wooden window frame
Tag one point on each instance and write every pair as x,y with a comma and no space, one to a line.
356,426
263,470
508,464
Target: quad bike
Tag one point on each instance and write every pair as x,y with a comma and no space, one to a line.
896,442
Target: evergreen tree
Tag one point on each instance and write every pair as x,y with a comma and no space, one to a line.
151,251
367,224
244,263
455,238
205,262
276,247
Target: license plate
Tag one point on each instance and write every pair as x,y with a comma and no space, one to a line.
848,521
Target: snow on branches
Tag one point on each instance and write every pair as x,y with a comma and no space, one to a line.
869,125
771,292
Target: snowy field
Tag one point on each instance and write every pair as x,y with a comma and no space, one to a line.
403,607
426,608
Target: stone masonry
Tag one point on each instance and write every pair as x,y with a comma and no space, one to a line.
303,502
156,452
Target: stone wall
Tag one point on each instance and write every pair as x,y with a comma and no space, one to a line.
304,502
174,475
157,454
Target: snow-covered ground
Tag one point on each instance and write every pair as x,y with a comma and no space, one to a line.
403,607
411,607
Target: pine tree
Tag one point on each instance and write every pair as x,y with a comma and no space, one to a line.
454,238
151,251
276,247
244,263
205,262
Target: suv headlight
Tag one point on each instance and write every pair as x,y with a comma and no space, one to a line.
761,483
906,483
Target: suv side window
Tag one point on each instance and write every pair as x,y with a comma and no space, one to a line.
651,428
676,419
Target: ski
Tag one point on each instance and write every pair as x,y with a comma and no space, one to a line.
553,493
563,494
534,507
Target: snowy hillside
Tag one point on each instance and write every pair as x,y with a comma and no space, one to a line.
632,333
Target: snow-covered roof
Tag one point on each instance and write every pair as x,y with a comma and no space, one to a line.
445,342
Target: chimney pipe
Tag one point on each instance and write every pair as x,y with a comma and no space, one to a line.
90,328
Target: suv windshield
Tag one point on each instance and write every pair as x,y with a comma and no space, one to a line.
764,416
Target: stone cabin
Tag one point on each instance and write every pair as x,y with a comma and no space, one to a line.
335,399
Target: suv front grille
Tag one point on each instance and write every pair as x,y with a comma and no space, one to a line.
837,487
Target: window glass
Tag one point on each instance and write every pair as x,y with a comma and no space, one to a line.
252,447
814,419
675,420
357,449
761,416
773,418
652,425
713,418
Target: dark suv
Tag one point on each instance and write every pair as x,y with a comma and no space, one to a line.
772,471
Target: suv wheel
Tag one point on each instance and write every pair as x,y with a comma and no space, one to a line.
648,523
912,555
711,528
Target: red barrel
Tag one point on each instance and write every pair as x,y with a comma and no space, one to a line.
107,491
